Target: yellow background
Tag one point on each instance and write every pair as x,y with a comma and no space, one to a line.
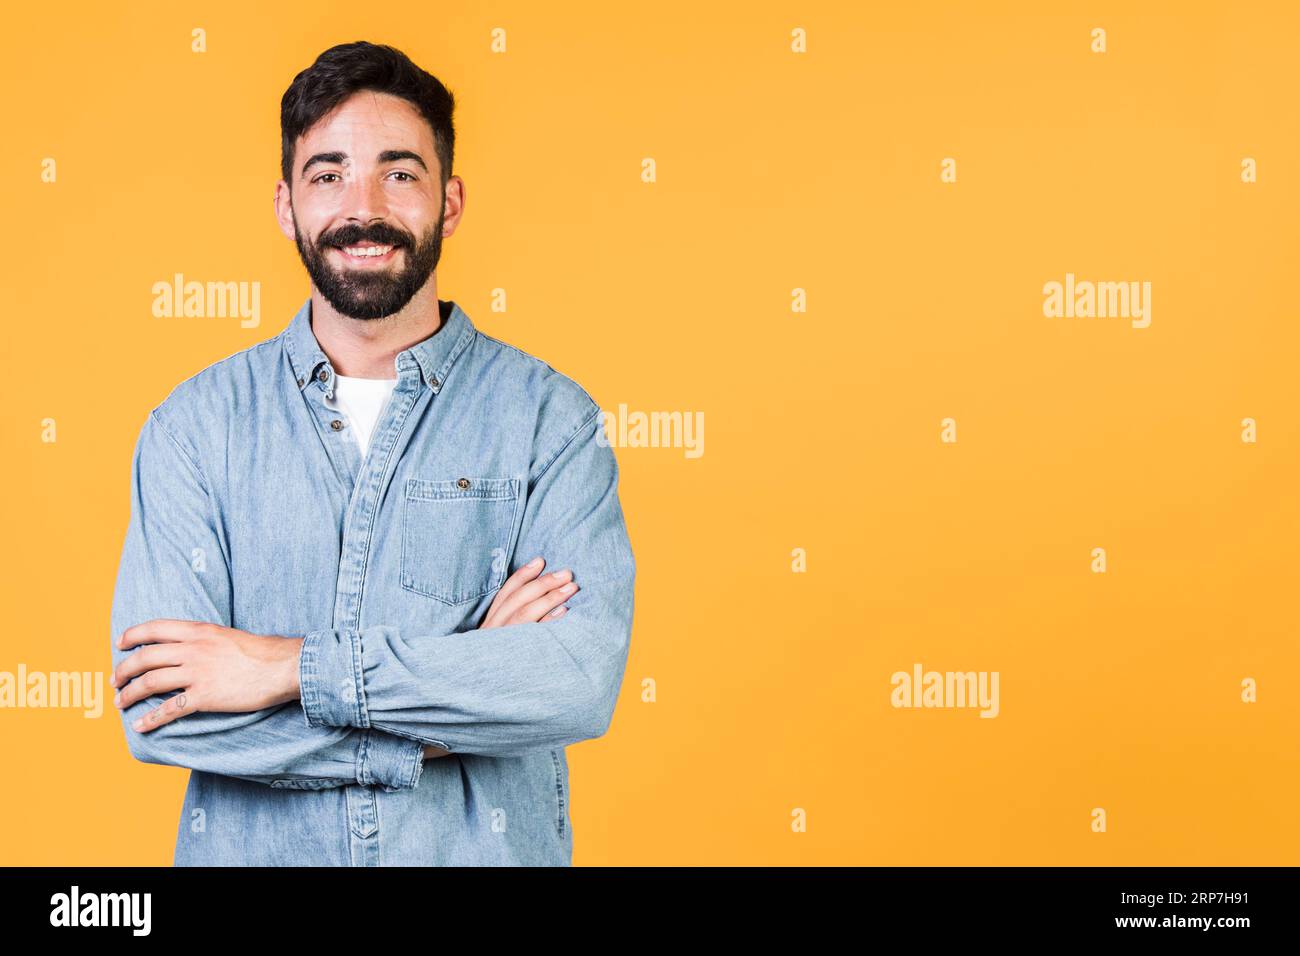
776,171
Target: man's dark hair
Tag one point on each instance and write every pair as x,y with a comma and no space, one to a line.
349,68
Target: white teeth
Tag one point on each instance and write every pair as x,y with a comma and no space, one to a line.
367,250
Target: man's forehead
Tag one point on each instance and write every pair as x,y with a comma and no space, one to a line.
384,130
371,109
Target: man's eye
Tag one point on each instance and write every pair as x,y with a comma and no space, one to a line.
409,177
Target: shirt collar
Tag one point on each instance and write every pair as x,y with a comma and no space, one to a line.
432,356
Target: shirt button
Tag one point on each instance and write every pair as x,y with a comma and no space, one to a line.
433,380
336,424
323,375
462,482
300,383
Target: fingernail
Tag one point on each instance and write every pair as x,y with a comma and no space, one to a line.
138,725
558,611
535,563
560,575
568,588
117,699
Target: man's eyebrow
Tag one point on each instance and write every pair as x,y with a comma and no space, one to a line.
387,156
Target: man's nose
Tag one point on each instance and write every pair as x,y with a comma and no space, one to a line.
365,202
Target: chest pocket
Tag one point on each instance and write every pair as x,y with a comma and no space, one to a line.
456,536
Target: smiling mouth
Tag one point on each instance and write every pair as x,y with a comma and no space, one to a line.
374,252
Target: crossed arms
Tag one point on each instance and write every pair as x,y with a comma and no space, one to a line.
338,706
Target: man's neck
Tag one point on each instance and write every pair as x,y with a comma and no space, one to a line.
368,348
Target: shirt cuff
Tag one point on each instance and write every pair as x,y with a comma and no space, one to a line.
329,678
389,761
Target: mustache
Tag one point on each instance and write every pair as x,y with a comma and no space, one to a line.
358,237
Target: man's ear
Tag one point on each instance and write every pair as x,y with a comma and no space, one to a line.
282,204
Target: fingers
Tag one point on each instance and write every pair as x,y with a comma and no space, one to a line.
159,629
520,578
527,596
547,607
494,617
526,589
173,707
145,659
154,682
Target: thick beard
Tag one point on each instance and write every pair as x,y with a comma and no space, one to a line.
372,294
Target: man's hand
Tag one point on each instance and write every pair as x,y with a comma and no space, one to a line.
525,598
218,668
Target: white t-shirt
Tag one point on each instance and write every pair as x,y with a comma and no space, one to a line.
362,400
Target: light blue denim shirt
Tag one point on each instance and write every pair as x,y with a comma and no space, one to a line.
252,507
